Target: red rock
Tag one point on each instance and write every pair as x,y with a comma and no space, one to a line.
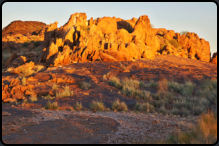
107,25
32,79
214,58
9,100
5,95
30,46
107,58
28,92
19,61
63,58
30,87
15,82
120,56
11,58
18,95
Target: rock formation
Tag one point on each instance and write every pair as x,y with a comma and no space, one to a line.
23,28
214,58
108,39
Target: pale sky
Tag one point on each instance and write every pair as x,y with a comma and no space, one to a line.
197,17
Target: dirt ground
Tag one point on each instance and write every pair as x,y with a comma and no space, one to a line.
17,126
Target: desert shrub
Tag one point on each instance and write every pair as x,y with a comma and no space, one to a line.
210,95
204,133
141,84
114,81
37,43
162,110
78,106
159,103
182,112
65,93
85,85
119,106
97,105
180,103
130,83
164,95
174,86
145,107
54,87
174,43
187,89
33,98
183,32
153,84
162,85
25,44
209,85
53,105
23,81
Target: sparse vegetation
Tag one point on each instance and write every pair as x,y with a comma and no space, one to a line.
33,98
183,32
97,105
174,43
187,89
85,85
144,107
153,84
204,133
78,106
54,87
119,106
114,81
23,81
53,106
67,92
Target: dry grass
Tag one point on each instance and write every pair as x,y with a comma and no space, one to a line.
85,85
54,87
78,106
114,81
67,92
53,105
144,107
97,105
23,81
119,106
33,98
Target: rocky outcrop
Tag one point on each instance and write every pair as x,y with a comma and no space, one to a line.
111,39
103,39
214,58
188,46
23,28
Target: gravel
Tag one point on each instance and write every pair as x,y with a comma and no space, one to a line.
134,128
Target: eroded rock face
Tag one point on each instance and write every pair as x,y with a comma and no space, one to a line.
187,45
112,39
109,39
214,58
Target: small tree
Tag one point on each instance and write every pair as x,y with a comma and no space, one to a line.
183,32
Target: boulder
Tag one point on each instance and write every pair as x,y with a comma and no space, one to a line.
107,58
107,25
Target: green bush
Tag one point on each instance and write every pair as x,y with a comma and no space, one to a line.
187,89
